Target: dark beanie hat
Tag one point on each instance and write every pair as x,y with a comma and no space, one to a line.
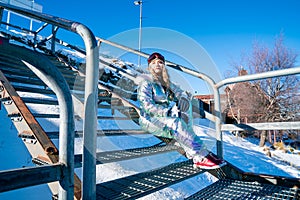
156,56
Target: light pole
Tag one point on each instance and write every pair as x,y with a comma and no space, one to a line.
140,3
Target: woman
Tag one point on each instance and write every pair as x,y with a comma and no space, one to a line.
160,101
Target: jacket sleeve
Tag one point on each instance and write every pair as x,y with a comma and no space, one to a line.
178,92
147,103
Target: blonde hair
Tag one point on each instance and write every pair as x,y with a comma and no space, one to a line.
163,79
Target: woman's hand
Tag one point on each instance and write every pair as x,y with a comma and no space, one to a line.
184,104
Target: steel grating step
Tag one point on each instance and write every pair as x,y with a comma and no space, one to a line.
6,58
142,184
117,132
114,107
46,90
38,83
117,118
32,90
236,189
127,154
19,67
40,101
42,115
55,134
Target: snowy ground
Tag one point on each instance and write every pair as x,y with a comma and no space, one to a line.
242,153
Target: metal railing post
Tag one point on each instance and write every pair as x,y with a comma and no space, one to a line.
218,122
52,77
90,113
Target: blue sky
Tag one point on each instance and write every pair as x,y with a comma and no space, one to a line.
223,28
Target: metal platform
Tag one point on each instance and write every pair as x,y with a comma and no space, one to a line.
126,154
141,184
236,189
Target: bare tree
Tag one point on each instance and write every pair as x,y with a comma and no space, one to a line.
280,91
277,99
245,102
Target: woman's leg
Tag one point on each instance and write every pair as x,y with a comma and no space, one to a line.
187,138
195,149
173,127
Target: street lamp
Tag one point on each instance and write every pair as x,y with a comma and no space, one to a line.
139,3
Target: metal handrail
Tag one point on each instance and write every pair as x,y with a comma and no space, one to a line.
264,75
90,120
261,126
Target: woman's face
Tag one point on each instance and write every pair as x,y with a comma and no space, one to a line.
157,66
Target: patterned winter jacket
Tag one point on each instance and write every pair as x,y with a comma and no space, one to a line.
155,103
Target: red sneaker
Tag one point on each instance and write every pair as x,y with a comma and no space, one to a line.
210,162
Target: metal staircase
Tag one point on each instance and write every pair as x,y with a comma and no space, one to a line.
29,85
21,89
